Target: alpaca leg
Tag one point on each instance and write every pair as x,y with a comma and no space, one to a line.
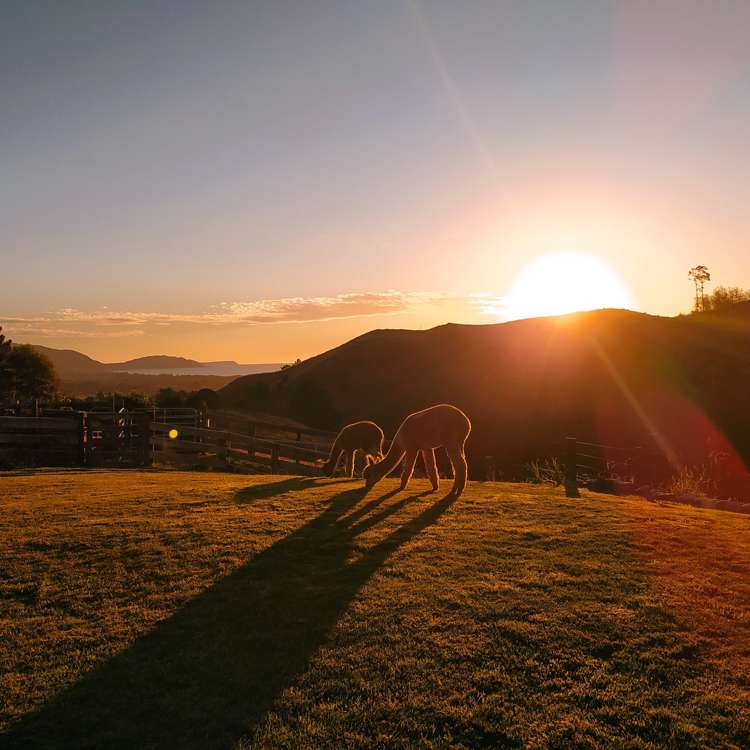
368,460
339,461
409,460
458,462
428,456
350,464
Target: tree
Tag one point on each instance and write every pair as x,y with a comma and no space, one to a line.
699,276
724,297
169,398
6,380
196,399
32,375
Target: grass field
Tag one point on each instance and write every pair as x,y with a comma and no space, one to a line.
186,610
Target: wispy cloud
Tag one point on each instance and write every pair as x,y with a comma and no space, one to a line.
108,323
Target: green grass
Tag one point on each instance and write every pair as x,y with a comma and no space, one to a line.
177,609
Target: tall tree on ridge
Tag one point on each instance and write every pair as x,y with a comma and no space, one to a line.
699,276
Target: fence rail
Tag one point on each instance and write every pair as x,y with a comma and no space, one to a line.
146,437
195,439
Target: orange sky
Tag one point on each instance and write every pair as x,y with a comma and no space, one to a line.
253,181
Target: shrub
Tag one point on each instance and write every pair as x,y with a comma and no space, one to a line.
694,481
547,470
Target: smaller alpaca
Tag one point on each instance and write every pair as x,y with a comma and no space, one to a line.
442,425
366,437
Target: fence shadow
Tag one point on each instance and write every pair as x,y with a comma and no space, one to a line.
204,677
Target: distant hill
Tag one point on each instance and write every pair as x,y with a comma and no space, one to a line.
82,376
69,363
610,376
155,362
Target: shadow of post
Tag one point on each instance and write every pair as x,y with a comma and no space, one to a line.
205,676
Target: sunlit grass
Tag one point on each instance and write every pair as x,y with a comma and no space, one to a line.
208,610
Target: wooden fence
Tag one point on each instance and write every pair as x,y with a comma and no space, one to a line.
157,437
613,468
204,447
591,462
42,441
235,442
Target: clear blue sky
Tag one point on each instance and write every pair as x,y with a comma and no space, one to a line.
252,180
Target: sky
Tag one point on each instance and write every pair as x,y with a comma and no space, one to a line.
262,181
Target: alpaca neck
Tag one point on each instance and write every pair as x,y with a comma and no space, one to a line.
394,455
333,457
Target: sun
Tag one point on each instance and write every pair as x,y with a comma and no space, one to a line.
559,283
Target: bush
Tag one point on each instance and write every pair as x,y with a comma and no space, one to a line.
169,398
546,471
692,481
210,398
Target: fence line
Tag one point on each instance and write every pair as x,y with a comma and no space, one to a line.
188,439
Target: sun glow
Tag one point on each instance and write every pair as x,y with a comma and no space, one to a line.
560,283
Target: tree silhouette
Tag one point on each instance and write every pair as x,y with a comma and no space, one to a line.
699,276
32,375
6,379
724,298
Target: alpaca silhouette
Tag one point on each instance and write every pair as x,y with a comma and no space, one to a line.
442,425
366,437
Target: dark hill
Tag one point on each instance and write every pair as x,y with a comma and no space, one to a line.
155,362
69,363
82,376
611,376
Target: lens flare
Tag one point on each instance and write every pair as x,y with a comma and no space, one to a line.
173,434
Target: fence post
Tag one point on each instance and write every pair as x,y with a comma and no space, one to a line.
490,469
82,438
145,452
251,442
638,467
571,464
274,459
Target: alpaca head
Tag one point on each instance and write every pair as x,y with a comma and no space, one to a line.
371,474
325,467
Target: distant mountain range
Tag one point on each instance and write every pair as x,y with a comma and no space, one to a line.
81,375
677,385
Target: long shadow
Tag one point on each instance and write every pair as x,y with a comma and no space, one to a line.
293,484
204,677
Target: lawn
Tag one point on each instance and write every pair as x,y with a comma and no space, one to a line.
195,610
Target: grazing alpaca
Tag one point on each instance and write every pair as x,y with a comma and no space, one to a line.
442,425
359,436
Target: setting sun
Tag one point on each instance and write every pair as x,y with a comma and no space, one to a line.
560,283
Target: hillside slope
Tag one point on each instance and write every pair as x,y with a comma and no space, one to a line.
69,363
220,611
611,376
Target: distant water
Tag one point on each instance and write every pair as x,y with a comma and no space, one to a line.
210,368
